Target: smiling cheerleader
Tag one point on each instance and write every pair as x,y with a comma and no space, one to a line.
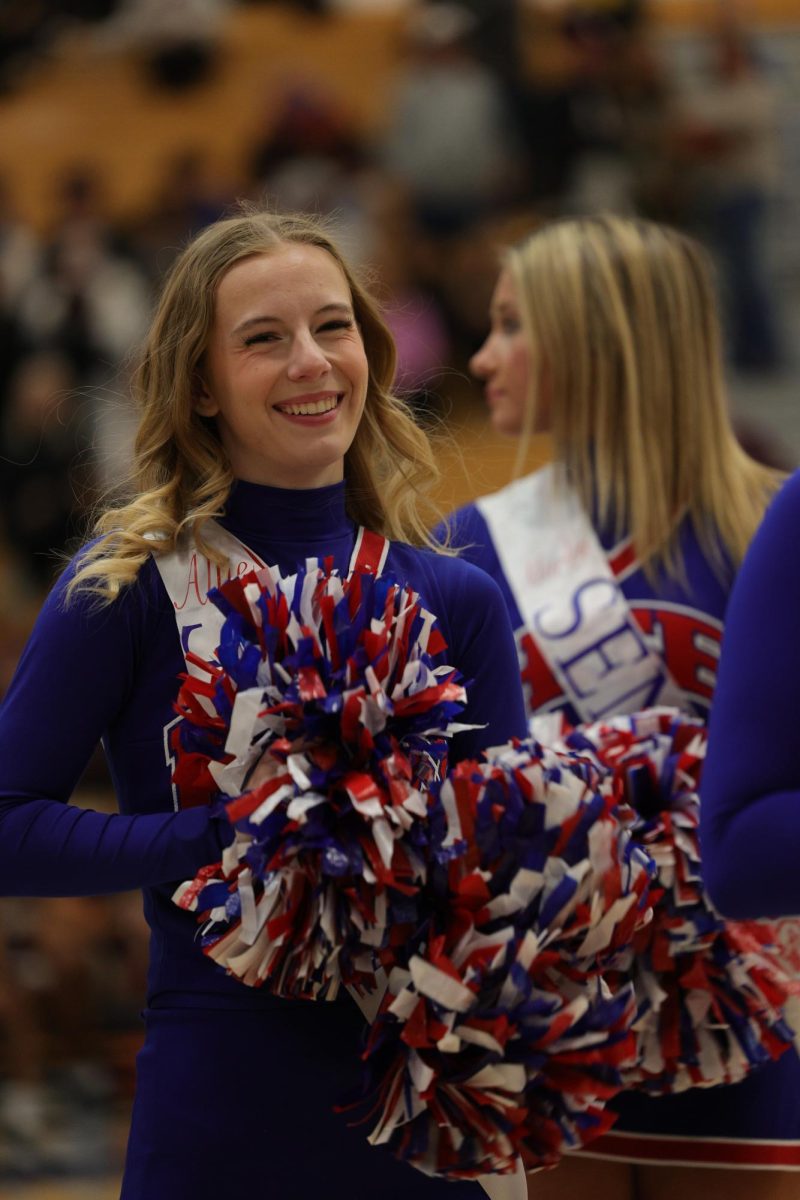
268,436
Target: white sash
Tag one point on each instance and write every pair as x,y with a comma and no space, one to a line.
569,600
189,576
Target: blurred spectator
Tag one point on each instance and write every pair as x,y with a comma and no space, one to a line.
311,158
82,209
13,344
495,33
588,97
449,138
20,256
20,250
179,40
88,305
363,5
23,1100
411,310
68,970
86,10
618,104
310,122
43,498
90,300
315,8
25,33
79,316
726,136
187,198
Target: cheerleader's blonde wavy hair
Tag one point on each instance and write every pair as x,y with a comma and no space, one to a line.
181,476
621,317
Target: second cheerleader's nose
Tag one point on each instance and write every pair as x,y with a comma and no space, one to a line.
482,362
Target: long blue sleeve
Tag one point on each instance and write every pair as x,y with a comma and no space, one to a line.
55,849
72,681
751,780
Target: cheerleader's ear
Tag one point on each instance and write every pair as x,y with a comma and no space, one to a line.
202,400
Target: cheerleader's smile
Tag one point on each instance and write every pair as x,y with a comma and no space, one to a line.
318,408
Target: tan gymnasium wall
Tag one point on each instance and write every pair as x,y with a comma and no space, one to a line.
94,106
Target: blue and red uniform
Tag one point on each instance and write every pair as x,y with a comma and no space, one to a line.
755,1123
681,621
235,1088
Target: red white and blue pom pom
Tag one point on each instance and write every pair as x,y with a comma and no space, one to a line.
319,730
711,992
498,1037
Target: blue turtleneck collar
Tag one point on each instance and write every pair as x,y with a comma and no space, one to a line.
287,515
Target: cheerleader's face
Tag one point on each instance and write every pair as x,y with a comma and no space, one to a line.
285,373
504,360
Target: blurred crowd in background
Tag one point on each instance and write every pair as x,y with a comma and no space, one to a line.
499,115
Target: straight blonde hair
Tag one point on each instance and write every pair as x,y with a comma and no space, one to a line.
181,475
621,315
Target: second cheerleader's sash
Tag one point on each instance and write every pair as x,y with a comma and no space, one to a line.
571,603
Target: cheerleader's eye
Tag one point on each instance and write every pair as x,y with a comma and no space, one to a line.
334,326
264,336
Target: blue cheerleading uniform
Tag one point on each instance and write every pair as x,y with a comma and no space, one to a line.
755,1123
235,1087
751,791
